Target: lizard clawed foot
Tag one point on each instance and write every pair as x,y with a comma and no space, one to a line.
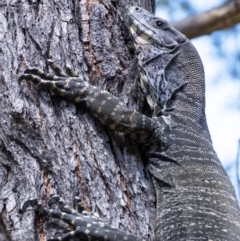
67,84
86,226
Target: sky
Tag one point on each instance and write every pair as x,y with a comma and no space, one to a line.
222,90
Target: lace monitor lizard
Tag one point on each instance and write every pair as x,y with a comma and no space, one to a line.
195,198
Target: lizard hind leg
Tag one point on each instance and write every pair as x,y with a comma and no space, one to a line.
40,209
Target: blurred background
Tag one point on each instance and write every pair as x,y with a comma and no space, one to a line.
220,53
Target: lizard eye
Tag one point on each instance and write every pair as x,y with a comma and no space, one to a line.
137,9
158,23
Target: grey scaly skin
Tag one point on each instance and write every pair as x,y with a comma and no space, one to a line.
195,198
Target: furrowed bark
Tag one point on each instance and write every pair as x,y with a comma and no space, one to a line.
51,146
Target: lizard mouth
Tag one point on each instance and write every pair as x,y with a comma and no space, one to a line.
144,34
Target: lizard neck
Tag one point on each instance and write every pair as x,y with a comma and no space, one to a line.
188,101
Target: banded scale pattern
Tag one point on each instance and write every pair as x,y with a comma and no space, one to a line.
195,198
108,109
88,226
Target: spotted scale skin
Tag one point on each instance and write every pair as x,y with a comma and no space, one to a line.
195,198
87,226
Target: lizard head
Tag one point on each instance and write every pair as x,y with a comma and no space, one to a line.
160,57
150,30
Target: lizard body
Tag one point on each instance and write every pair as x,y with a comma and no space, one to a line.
195,198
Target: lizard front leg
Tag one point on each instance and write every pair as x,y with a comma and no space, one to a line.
108,109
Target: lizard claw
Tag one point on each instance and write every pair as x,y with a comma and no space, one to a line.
78,204
31,202
20,79
54,199
49,62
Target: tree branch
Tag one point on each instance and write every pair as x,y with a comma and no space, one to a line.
218,18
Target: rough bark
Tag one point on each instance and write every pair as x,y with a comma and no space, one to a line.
222,17
4,236
51,146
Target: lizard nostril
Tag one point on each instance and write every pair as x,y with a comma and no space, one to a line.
137,8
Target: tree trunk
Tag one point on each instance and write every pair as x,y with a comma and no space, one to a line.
4,236
51,146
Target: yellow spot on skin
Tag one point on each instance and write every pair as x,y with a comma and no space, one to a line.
67,83
99,110
96,215
72,233
83,90
132,115
96,94
101,224
89,225
133,28
87,231
103,121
